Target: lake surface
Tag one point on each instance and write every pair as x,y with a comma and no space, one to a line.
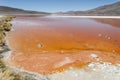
52,44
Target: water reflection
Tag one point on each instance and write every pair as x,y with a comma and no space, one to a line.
112,22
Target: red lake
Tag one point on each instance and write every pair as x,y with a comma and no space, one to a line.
54,44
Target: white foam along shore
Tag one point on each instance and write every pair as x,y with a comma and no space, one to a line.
93,71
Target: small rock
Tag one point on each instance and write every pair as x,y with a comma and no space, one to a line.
40,45
113,51
109,37
99,35
94,56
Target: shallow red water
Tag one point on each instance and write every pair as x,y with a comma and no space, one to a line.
50,44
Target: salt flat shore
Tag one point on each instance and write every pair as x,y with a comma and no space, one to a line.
92,71
87,16
118,17
2,16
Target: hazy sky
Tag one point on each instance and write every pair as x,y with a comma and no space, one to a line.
55,5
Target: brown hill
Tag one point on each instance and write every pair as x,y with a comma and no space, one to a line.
4,10
106,10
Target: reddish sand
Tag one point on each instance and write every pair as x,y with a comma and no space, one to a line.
46,45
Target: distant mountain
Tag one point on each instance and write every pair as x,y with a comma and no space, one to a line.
15,11
106,10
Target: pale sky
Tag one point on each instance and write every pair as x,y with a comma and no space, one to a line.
56,5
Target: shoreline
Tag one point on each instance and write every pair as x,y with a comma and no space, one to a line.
67,16
118,17
104,69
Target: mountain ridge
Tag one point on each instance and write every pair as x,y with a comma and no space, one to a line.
5,10
105,10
